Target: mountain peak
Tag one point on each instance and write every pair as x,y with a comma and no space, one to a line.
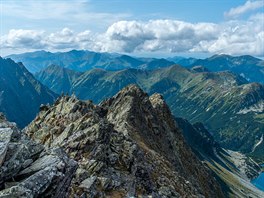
125,142
132,90
220,56
158,101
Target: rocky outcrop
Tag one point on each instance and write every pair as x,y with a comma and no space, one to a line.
128,146
149,120
27,169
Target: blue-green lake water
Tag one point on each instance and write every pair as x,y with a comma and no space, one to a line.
259,181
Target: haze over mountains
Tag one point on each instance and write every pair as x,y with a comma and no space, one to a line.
249,67
81,60
226,103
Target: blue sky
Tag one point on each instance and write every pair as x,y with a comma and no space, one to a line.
151,28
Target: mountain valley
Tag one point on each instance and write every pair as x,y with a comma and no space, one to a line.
226,103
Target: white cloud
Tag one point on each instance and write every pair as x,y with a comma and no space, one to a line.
164,36
23,39
155,35
233,37
61,40
248,6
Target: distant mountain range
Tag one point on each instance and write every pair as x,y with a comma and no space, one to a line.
182,60
230,107
247,66
130,140
80,60
20,93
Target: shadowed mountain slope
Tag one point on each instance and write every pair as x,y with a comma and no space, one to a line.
20,93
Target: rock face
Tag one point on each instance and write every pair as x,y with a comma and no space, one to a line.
128,146
28,170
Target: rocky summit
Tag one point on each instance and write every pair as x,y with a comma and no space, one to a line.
28,170
127,146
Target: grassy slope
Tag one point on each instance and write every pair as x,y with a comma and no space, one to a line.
214,99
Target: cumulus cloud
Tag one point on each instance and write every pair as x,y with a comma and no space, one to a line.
61,40
165,36
23,39
34,39
248,6
233,37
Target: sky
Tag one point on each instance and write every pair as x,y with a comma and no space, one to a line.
157,28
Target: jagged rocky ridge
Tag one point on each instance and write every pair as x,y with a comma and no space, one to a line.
29,170
128,145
